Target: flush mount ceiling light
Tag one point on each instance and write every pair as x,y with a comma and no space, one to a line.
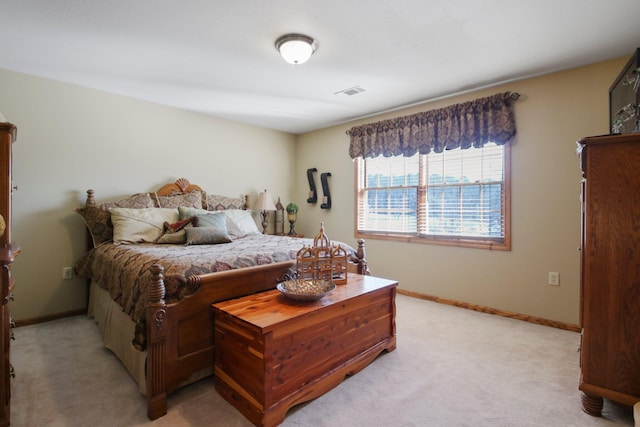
296,48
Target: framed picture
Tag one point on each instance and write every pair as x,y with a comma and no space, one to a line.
624,98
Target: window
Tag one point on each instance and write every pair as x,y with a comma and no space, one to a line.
457,197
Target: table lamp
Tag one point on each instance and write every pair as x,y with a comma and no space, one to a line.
264,205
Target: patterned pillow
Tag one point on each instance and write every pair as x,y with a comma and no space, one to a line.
206,236
140,225
98,219
137,201
177,226
99,224
220,203
192,199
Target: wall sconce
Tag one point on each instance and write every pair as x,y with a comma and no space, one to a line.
264,205
326,199
292,216
313,194
296,48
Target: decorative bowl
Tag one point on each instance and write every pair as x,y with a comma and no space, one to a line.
306,290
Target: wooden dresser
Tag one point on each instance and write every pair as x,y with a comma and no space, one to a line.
610,270
8,251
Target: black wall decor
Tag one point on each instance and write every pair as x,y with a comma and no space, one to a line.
313,194
326,200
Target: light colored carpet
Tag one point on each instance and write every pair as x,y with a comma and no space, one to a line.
452,367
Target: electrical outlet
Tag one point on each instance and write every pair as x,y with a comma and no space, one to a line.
67,273
554,278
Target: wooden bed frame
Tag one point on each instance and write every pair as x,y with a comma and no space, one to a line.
180,335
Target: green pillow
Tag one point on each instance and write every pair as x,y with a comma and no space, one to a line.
187,212
213,219
207,236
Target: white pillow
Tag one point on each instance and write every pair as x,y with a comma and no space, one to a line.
140,225
240,223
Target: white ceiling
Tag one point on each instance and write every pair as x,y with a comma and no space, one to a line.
218,57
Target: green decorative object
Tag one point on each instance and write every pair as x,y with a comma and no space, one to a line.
292,216
292,207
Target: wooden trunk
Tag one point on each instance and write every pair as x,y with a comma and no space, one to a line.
273,353
610,271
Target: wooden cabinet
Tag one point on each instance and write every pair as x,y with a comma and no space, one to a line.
8,252
610,270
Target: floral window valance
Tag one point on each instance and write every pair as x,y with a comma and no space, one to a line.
464,125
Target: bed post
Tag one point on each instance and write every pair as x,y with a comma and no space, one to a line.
360,260
90,200
156,337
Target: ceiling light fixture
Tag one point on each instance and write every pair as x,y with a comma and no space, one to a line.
296,48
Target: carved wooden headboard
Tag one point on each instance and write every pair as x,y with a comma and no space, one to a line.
182,185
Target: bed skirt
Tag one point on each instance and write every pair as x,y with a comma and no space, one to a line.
117,331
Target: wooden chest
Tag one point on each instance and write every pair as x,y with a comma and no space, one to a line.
273,353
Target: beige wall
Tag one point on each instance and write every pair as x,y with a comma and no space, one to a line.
554,111
71,138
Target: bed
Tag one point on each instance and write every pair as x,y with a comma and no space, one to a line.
156,264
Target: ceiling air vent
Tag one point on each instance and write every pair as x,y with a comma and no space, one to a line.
350,91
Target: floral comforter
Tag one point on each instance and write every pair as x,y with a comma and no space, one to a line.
124,270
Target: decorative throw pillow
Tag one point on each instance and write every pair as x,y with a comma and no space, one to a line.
187,212
98,219
140,225
177,238
137,201
213,219
221,203
240,223
192,199
177,226
99,224
174,233
206,236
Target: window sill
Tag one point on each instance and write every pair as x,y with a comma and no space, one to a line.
442,241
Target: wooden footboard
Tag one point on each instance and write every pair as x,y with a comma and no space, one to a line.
180,336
